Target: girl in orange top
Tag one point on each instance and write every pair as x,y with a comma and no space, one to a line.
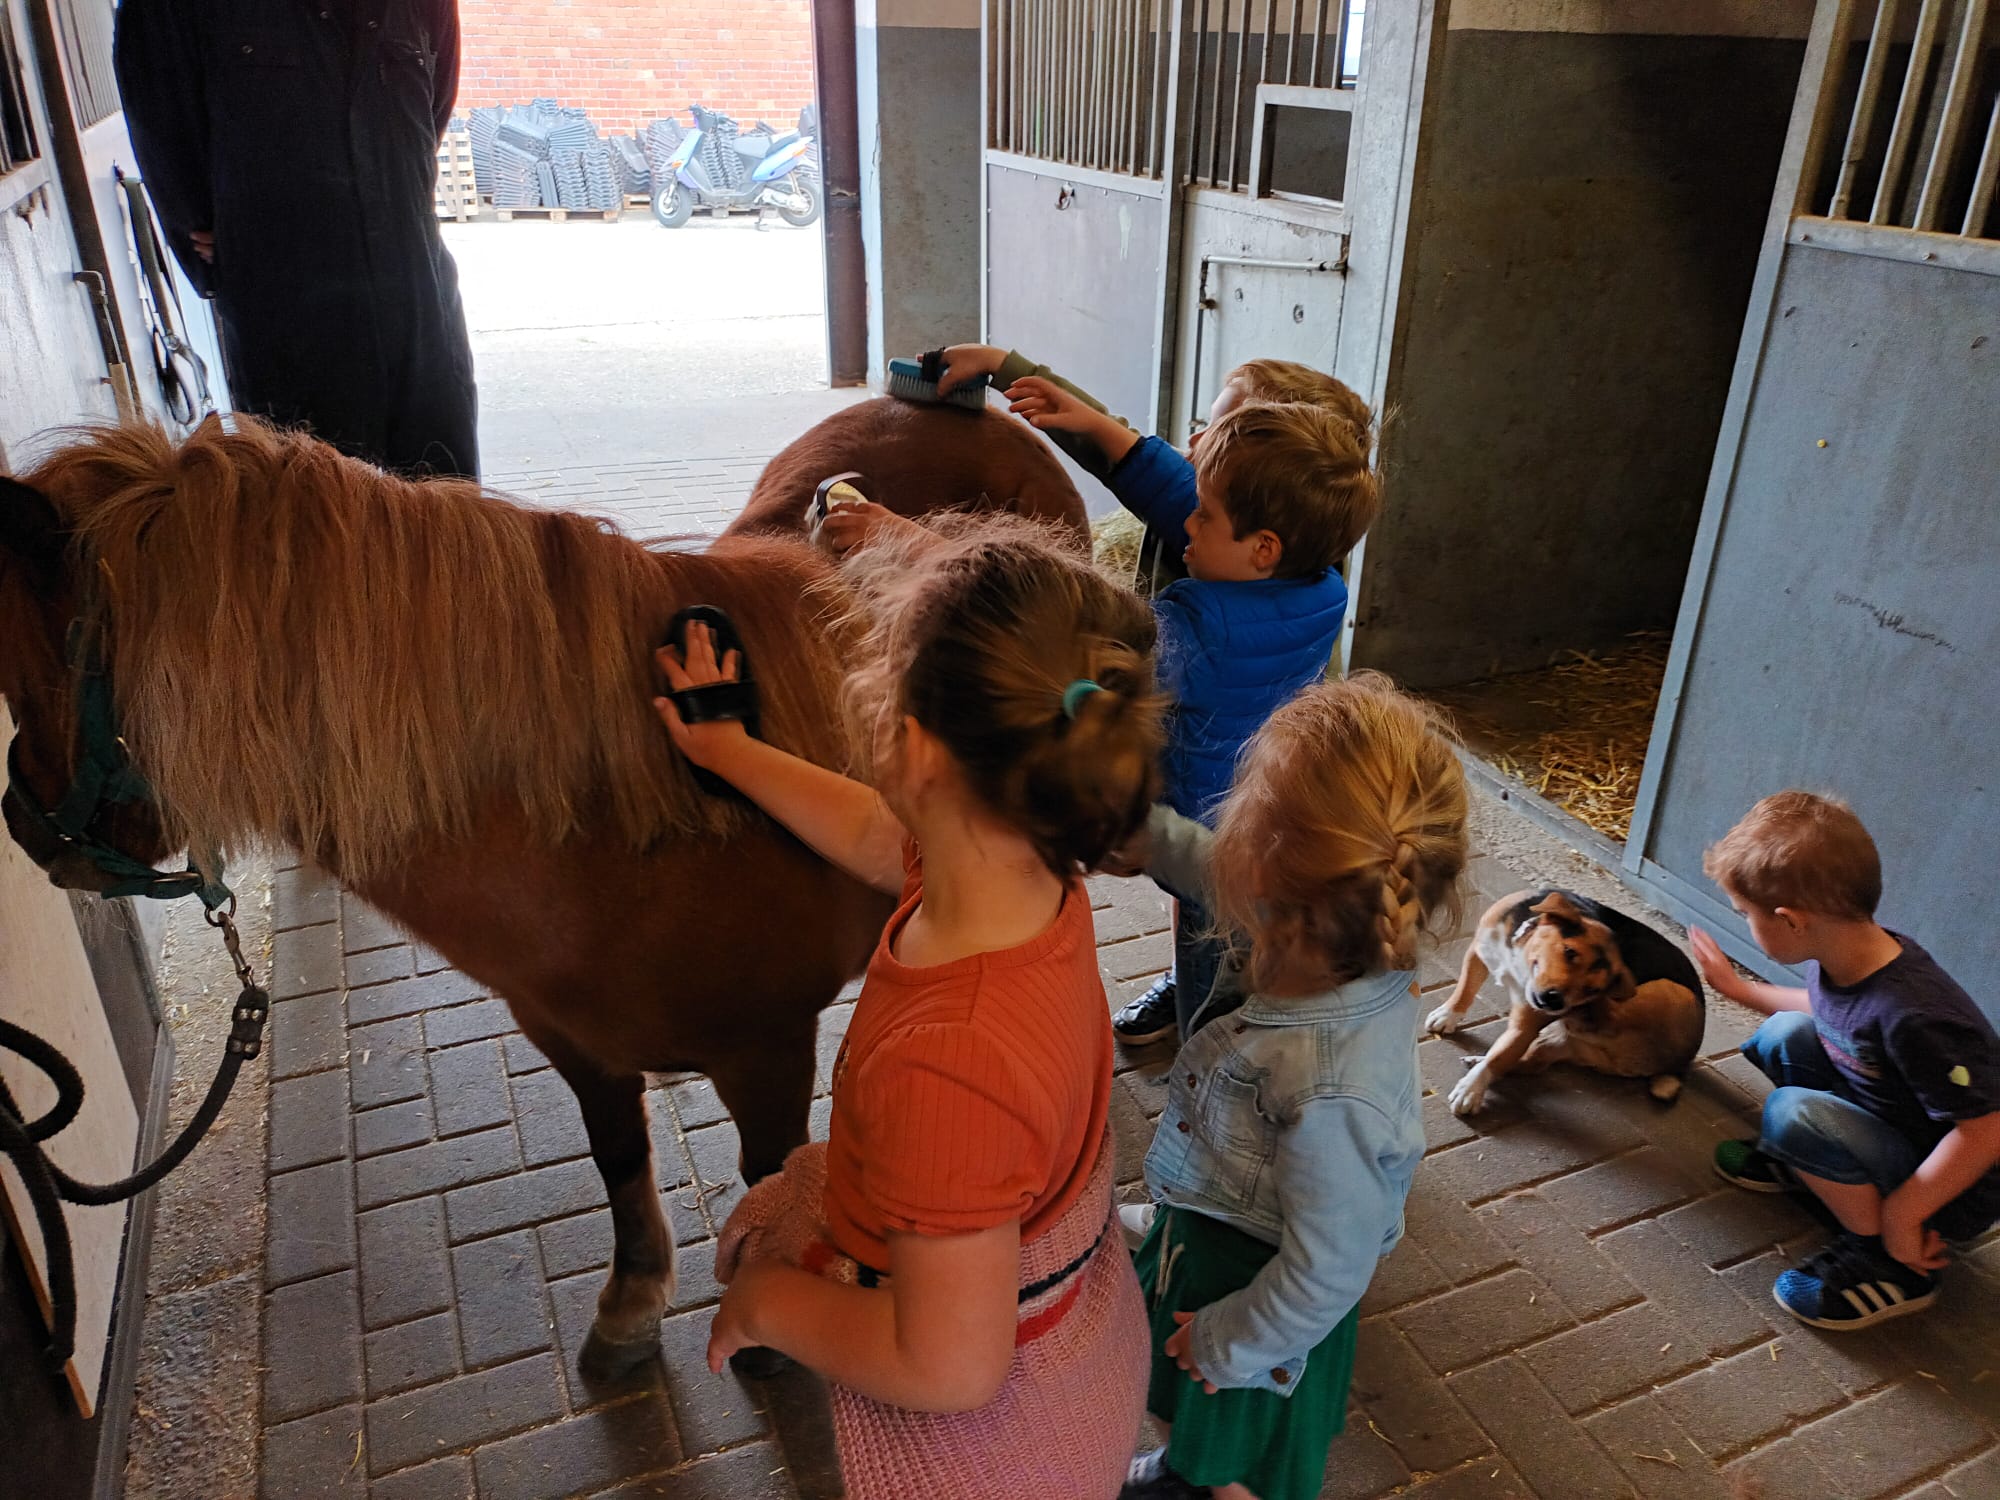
990,1338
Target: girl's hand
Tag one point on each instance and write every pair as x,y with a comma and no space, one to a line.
731,1329
963,362
705,744
1179,1350
1048,406
846,527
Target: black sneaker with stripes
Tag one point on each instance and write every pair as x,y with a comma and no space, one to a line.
1853,1283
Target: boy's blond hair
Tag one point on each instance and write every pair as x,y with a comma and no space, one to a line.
1802,851
1344,835
1297,470
1286,382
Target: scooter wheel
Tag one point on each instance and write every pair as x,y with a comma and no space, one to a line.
673,206
807,189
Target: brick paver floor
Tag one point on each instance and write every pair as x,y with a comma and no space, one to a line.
1579,1309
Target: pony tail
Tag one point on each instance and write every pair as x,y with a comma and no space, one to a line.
1402,909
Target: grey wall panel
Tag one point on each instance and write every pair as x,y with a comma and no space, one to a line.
1584,234
1074,281
1850,632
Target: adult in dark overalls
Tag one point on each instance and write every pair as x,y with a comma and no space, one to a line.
291,149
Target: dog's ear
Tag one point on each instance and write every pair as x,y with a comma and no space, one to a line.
1557,904
29,525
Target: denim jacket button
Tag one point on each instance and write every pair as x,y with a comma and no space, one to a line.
1190,1080
1283,1377
1181,1126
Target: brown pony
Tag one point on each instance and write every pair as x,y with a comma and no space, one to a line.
917,458
444,699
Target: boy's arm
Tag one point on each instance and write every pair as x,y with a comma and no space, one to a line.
1765,999
1952,1066
1177,853
1967,1153
1097,443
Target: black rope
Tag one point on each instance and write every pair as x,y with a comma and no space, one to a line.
49,1185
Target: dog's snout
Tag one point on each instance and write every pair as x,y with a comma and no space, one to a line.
1548,999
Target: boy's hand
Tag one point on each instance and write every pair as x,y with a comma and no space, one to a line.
963,362
1714,965
1180,1352
1910,1240
1050,407
709,743
1129,858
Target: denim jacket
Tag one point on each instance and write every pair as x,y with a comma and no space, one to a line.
1299,1122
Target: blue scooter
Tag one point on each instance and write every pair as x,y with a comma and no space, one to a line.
719,167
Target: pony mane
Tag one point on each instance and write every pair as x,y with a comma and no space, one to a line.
305,649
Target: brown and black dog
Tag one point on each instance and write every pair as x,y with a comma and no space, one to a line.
1585,984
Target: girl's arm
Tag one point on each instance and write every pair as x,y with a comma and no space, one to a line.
1340,1208
845,822
940,1338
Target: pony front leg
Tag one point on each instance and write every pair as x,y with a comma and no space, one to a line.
641,1285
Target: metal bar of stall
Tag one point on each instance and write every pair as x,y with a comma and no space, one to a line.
1093,73
996,87
1319,39
1984,178
1194,93
1215,97
1163,15
1880,40
1236,96
1903,133
1957,107
1073,87
1292,40
1340,26
1135,43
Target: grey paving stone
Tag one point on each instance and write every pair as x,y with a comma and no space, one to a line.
440,1479
469,1088
583,1453
1780,1468
711,1412
405,997
1551,1453
1740,1401
429,960
1455,1238
574,1301
315,1456
310,1223
714,1151
386,1062
755,1471
392,1127
1362,1466
411,1354
312,1347
1135,958
522,1198
1465,1326
1856,1362
308,1120
1661,1461
305,961
1415,1410
436,1166
1975,1480
696,1104
1558,1252
696,1286
1407,1275
405,1270
303,897
581,1242
546,1115
1611,1358
363,927
463,1412
1485,1478
1631,1187
1731,1224
307,1036
1704,1306
379,966
1518,1157
472,1022
502,1313
523,1056
1882,1443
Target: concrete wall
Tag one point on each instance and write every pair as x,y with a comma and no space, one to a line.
917,63
631,61
1583,226
1847,636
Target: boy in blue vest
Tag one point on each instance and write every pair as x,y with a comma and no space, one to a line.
1260,511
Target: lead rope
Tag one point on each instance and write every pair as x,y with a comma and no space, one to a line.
49,1186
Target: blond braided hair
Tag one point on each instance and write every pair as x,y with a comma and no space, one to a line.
1344,835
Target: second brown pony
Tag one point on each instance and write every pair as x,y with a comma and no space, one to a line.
444,699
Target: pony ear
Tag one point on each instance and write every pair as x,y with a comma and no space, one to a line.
29,525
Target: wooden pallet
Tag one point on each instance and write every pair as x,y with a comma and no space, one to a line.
558,215
639,200
457,193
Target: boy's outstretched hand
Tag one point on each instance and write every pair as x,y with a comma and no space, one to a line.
963,362
1047,405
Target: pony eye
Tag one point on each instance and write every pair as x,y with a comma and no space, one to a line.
1570,954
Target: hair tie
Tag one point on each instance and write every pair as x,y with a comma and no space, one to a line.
1075,693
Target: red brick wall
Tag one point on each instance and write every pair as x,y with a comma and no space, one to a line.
630,61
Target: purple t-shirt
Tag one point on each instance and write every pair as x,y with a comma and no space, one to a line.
1912,1047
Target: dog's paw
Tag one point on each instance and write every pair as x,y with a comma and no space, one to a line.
1468,1097
1443,1021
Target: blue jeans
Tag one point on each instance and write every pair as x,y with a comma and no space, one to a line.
1200,966
1813,1125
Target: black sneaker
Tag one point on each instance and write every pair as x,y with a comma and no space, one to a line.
1853,1283
1149,1478
1149,1018
1742,1163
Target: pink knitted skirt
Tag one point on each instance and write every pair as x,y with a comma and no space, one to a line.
1064,1424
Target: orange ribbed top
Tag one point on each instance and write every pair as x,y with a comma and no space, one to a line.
969,1093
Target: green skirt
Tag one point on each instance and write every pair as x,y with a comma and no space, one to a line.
1276,1445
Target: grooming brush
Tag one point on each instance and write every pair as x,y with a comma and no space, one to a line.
917,380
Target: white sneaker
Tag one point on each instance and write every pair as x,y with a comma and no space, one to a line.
1137,1218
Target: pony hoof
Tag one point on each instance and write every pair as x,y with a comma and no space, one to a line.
755,1362
603,1359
